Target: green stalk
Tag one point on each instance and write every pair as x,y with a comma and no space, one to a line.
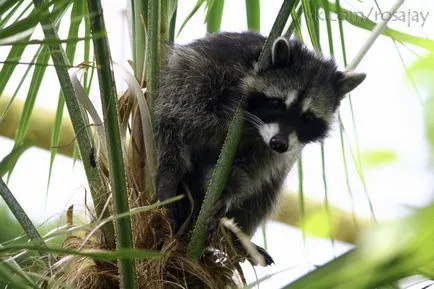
216,184
275,32
154,48
168,13
109,102
214,16
164,25
301,198
326,197
253,11
137,15
152,55
329,27
167,24
20,215
172,27
104,255
347,177
341,31
87,80
323,163
227,154
295,25
76,18
84,136
341,125
311,22
315,13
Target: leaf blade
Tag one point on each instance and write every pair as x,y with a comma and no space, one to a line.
253,12
77,14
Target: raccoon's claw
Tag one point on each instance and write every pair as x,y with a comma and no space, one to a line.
267,258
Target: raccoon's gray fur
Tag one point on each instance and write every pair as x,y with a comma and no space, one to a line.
289,103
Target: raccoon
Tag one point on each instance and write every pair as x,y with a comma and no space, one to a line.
289,103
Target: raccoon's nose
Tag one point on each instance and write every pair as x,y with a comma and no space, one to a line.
279,144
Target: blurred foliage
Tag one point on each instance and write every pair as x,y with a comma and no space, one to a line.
10,228
11,233
423,71
384,255
341,225
429,122
379,157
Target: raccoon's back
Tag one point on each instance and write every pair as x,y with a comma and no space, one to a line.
229,49
211,63
199,84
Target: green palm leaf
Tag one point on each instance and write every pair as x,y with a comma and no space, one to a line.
77,14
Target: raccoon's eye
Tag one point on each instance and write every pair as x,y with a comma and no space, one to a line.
311,128
308,118
276,103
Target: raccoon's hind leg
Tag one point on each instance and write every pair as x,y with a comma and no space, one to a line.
168,179
251,212
173,165
171,159
170,183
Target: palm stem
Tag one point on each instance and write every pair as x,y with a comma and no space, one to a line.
253,11
214,16
153,48
114,146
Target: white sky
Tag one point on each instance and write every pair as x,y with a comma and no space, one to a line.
387,109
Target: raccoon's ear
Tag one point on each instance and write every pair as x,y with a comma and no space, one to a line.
348,81
280,52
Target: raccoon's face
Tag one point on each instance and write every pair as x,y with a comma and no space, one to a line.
293,100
